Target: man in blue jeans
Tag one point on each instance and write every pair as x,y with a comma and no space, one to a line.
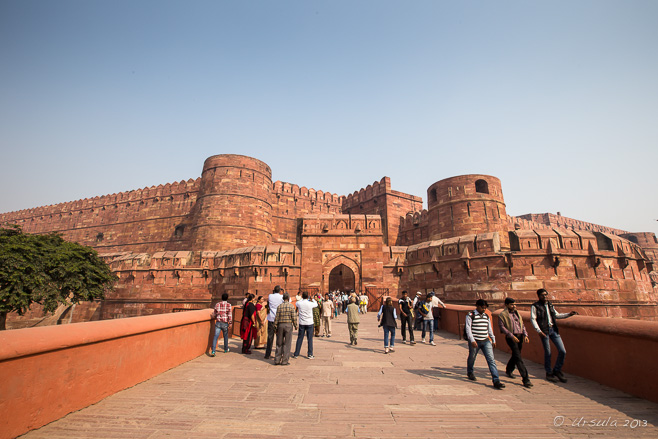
544,320
223,316
478,331
305,310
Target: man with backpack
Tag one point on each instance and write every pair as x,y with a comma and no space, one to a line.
479,333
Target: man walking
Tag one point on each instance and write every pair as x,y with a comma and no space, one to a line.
428,318
224,318
284,321
406,318
273,301
305,310
353,320
327,312
479,332
510,324
544,320
435,309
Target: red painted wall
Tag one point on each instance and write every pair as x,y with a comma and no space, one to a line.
51,371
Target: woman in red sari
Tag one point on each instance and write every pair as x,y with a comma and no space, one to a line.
248,324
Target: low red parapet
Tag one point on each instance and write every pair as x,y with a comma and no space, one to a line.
615,352
48,372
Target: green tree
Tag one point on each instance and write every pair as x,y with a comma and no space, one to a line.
47,270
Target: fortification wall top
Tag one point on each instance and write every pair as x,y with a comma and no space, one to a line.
289,189
552,220
372,190
157,193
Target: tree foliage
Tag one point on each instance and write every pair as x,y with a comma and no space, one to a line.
47,270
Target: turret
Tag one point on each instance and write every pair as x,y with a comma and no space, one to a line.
467,205
233,208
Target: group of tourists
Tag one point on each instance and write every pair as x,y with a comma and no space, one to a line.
543,316
264,320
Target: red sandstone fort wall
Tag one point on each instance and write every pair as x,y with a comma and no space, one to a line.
143,220
180,246
595,274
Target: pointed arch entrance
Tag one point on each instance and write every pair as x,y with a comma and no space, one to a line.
341,277
341,270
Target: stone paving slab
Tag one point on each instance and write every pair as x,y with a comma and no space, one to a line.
417,391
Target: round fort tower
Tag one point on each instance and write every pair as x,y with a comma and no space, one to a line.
467,205
233,208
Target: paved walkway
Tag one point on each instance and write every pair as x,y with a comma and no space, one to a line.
417,391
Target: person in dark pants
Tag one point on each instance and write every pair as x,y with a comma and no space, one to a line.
406,318
285,319
510,324
273,301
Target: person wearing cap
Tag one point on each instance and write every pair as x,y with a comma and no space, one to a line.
510,324
480,335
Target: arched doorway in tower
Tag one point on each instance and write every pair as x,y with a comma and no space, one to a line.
341,278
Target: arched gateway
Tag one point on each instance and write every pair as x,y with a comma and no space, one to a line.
341,273
341,278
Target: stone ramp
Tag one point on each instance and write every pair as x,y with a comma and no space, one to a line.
417,391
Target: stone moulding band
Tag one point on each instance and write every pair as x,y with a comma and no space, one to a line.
226,194
198,226
268,177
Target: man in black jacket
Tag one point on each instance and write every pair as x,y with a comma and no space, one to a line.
544,320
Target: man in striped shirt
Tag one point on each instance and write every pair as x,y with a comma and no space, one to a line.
480,336
286,318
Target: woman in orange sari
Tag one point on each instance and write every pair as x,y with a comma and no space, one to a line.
248,324
261,323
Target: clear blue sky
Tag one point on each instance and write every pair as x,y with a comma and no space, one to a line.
558,99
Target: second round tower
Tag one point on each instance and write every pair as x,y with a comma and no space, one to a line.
467,205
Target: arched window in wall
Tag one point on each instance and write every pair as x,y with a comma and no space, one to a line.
433,197
482,187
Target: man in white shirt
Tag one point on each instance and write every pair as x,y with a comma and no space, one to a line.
435,304
305,310
273,301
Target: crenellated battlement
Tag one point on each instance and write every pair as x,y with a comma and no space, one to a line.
176,191
552,220
365,194
290,189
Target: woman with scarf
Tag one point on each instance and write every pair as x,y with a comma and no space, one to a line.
248,324
261,323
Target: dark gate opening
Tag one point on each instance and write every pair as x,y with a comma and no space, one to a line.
341,278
